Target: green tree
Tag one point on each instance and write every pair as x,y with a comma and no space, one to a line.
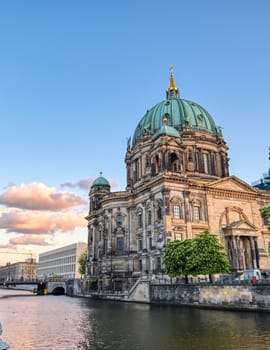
202,255
208,256
82,262
265,214
176,258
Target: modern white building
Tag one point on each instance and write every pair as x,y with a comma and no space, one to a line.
61,262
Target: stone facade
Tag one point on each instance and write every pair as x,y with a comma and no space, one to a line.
250,297
178,185
19,271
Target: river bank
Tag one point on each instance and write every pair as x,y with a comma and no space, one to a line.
247,297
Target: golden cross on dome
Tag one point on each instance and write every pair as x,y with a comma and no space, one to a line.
173,91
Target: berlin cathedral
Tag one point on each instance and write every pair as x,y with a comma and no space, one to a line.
178,185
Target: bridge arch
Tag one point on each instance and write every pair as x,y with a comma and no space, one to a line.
59,290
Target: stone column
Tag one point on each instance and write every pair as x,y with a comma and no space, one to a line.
110,230
144,226
252,252
256,252
238,252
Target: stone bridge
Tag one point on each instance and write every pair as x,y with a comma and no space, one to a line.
52,287
56,287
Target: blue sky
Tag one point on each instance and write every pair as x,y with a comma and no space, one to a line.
77,76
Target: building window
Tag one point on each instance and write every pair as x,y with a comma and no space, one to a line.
196,213
156,165
120,245
190,158
176,212
174,162
159,216
178,236
266,220
197,162
149,217
150,243
158,262
140,223
147,162
119,218
205,163
140,245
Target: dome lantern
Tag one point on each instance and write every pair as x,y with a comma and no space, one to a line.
172,91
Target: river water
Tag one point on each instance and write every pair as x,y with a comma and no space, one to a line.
62,323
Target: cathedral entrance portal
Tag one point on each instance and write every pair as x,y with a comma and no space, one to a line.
243,252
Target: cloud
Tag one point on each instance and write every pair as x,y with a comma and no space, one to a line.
37,196
28,239
82,184
10,184
35,222
85,184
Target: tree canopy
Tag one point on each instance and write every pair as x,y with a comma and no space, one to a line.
202,255
265,213
82,263
176,257
208,255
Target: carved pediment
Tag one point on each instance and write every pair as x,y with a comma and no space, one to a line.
241,225
232,183
240,228
234,219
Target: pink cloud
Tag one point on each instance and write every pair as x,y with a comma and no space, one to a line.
35,222
28,239
37,196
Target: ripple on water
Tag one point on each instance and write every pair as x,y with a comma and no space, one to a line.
63,323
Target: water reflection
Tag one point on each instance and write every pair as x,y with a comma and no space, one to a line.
62,323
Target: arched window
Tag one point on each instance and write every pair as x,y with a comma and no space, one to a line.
159,213
174,163
140,221
178,236
177,208
197,211
120,245
119,219
149,217
206,163
147,161
156,165
137,169
176,211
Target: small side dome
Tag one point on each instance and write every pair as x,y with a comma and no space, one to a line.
166,130
101,181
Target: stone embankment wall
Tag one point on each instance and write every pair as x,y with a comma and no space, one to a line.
244,297
231,297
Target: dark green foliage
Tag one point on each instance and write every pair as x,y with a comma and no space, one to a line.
202,255
208,255
82,262
176,257
265,213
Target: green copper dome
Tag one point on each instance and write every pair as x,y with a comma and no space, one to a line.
179,114
100,181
